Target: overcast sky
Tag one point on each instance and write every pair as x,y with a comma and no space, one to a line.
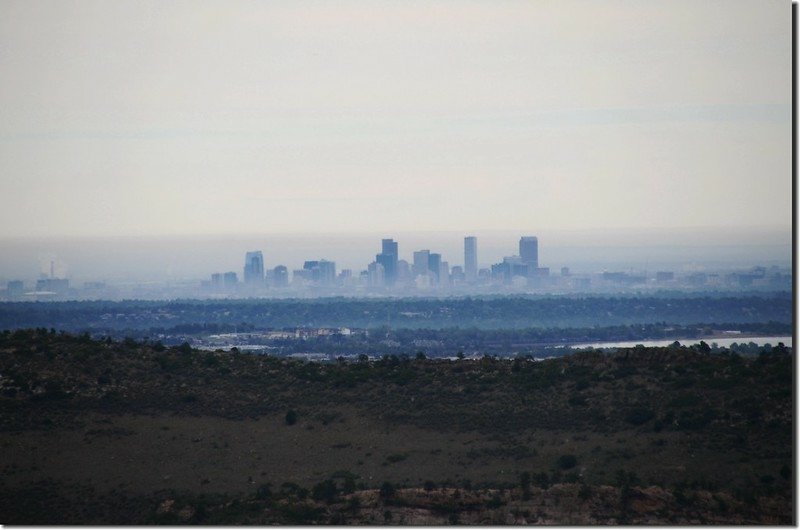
166,117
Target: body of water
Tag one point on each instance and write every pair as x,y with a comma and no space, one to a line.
723,342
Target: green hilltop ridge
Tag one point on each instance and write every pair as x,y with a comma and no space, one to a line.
104,432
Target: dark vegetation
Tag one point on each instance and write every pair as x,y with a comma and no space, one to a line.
664,435
540,342
518,312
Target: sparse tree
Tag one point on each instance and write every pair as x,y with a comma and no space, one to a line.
387,490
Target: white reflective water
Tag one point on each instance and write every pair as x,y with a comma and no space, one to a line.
722,342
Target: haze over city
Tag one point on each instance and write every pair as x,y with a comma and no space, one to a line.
146,118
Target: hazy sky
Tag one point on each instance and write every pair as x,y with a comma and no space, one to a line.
166,117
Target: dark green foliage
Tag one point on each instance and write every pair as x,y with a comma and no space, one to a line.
349,485
695,419
577,400
263,492
300,513
685,400
639,415
290,489
585,492
525,485
291,417
324,491
495,502
387,490
567,461
541,479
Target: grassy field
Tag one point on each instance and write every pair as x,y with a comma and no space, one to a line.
113,431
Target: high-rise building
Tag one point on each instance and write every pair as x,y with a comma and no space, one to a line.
229,279
388,259
444,273
471,259
403,271
389,246
327,272
434,263
280,276
529,251
377,274
421,258
216,279
321,271
312,271
254,267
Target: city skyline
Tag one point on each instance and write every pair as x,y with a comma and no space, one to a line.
425,273
148,259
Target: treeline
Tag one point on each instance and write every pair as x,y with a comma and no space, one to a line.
416,313
506,342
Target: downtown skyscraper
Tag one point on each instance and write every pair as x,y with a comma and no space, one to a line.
470,259
388,259
254,267
529,251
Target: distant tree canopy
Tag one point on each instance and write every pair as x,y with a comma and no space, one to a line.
218,316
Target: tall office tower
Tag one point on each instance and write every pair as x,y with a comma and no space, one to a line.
444,273
229,279
471,259
403,271
420,266
280,276
388,259
434,262
389,246
327,272
254,267
377,274
216,279
312,271
529,251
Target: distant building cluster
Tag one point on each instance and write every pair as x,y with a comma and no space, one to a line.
426,273
388,271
